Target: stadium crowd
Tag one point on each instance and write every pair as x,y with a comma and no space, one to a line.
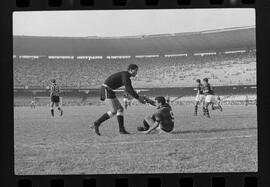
222,69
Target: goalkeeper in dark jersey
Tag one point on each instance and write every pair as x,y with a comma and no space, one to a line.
162,120
55,97
107,94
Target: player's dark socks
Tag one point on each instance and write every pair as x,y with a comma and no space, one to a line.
204,111
122,129
196,110
96,128
103,118
52,112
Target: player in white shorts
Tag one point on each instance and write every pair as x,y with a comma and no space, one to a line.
199,97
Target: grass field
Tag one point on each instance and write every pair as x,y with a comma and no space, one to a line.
65,145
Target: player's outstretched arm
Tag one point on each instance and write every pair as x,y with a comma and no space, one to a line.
141,99
148,100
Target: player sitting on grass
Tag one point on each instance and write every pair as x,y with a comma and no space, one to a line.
162,120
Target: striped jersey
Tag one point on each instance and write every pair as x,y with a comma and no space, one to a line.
200,88
55,90
208,89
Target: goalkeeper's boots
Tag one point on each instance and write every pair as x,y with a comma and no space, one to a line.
122,130
96,128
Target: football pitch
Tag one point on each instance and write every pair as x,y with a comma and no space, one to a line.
227,142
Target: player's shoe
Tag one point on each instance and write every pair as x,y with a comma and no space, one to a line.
123,132
96,128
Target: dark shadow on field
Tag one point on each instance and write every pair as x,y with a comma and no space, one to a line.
212,130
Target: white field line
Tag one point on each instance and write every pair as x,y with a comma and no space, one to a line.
96,144
176,139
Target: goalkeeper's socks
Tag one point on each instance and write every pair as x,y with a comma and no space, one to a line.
103,118
120,119
52,112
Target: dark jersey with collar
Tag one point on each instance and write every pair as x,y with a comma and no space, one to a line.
208,90
200,88
120,79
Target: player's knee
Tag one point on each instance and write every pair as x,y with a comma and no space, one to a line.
120,112
111,113
147,118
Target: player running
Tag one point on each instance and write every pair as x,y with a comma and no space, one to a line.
162,120
199,97
55,97
209,96
33,103
127,100
113,82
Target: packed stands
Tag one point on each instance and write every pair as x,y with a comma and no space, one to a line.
222,69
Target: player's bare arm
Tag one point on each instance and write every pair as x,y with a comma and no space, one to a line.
156,124
130,90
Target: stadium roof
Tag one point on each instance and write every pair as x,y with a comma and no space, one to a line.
206,41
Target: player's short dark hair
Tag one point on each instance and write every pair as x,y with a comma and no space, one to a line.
205,79
53,81
198,80
132,67
161,100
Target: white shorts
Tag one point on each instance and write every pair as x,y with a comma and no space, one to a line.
200,98
210,99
